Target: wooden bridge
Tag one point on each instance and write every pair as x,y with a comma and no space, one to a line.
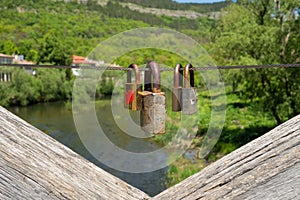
35,166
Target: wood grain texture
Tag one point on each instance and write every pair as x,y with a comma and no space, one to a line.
35,166
266,168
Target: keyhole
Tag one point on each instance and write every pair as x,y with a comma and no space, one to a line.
193,101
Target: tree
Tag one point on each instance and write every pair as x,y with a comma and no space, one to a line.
25,88
53,51
286,14
252,34
9,47
260,8
52,84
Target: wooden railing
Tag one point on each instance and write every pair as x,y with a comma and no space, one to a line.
35,166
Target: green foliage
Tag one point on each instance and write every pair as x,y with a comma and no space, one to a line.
243,123
106,85
53,51
51,85
25,88
52,82
5,94
47,85
142,56
51,31
8,47
182,169
252,33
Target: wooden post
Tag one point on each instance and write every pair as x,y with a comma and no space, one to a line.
35,166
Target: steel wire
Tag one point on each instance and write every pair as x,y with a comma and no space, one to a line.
120,68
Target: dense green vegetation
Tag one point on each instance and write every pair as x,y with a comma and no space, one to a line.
257,33
48,85
244,122
49,32
249,32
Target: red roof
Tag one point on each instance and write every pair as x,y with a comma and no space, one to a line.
78,59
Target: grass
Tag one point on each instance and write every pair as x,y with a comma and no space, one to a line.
183,168
244,122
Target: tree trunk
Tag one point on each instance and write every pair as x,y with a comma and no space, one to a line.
275,115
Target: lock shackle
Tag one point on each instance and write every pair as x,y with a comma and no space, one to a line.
178,74
155,73
189,76
136,72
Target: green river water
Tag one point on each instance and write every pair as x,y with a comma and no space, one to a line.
56,120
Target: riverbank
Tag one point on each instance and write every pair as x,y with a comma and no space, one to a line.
243,123
47,85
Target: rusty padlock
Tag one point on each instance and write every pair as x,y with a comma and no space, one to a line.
189,96
132,100
153,113
177,88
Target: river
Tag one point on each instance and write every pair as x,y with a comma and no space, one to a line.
56,120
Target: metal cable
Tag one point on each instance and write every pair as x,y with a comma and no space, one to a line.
120,68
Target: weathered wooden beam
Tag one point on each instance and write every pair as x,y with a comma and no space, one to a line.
35,166
266,168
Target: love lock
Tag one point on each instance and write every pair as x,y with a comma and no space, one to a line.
189,96
132,100
177,88
153,113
